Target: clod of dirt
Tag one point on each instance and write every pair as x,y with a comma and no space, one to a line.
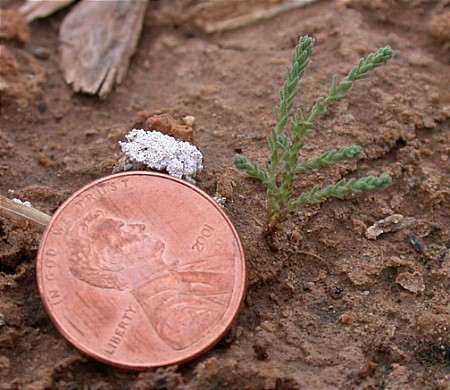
411,281
398,378
8,62
392,223
368,370
362,269
21,76
439,25
13,26
18,244
346,319
166,124
161,378
225,184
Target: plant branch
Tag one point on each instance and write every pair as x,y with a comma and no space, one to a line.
283,167
339,91
329,158
288,92
251,169
342,189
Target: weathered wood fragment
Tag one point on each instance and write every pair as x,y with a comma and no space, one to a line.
35,9
97,40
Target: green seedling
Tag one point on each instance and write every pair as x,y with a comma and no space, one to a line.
283,168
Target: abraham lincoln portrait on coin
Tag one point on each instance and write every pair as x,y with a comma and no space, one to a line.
125,256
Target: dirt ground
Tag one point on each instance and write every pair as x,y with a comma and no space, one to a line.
330,309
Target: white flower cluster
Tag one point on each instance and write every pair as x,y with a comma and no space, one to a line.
162,152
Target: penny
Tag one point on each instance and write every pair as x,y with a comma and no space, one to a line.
141,270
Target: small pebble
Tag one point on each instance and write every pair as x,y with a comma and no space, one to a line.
42,107
416,242
41,52
189,120
346,319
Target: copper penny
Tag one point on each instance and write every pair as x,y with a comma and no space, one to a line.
141,270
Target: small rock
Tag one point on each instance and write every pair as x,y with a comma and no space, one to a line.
225,184
392,223
4,363
220,200
268,326
41,52
189,120
416,243
2,320
346,319
419,59
411,281
359,226
429,122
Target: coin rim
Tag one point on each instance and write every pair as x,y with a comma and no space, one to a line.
94,354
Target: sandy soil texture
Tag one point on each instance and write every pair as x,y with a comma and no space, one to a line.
330,309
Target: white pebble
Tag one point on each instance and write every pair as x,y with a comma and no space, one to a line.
22,202
189,120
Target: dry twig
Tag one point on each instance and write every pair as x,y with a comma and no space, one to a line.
255,16
19,212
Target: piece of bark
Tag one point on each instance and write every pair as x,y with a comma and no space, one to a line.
35,9
97,40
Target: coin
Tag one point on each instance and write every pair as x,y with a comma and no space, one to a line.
141,270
